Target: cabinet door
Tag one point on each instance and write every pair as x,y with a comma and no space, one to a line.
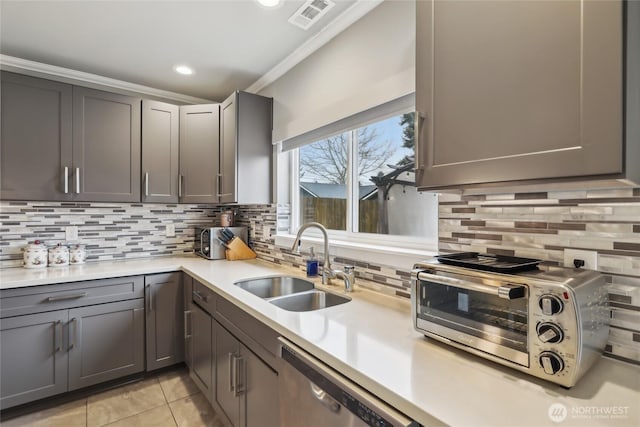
201,363
164,320
106,146
199,153
227,350
188,319
506,98
261,398
245,148
160,135
33,357
105,342
228,147
36,147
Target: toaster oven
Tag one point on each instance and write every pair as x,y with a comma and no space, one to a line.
549,322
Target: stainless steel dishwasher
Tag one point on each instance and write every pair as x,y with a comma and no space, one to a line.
314,395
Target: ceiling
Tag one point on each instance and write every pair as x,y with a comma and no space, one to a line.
229,43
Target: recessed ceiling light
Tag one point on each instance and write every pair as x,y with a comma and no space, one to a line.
269,3
183,69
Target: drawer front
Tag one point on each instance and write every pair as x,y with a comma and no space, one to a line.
38,299
260,338
204,297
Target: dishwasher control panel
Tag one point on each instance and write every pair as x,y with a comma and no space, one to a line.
337,394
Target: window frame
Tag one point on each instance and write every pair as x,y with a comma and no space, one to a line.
351,237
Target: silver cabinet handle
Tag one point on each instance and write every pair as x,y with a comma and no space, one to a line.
73,336
57,337
77,180
240,375
419,119
146,184
66,180
507,291
65,297
232,372
200,297
179,185
187,316
149,298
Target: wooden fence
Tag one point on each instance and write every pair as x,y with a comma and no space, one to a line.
332,213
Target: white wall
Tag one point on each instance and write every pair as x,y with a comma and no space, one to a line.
370,63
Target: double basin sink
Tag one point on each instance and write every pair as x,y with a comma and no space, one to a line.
291,293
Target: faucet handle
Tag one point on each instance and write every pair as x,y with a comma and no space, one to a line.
349,269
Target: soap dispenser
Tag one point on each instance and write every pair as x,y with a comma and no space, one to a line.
312,264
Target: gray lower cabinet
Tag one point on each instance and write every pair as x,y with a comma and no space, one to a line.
246,122
36,143
201,351
33,357
160,149
56,338
503,99
199,153
246,387
187,282
106,146
164,320
105,342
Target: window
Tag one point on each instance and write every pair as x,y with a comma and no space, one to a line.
361,183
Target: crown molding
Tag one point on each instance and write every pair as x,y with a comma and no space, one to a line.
335,27
38,69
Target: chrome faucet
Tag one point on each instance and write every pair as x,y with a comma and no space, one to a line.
327,272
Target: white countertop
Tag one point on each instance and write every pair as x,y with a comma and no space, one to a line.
371,341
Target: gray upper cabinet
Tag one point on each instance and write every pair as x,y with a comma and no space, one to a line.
199,153
106,146
164,320
160,145
36,144
519,90
245,148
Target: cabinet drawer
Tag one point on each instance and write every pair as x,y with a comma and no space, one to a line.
204,297
260,338
37,299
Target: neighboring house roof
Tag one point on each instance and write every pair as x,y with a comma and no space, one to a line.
333,191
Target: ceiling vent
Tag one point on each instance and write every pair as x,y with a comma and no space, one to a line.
310,12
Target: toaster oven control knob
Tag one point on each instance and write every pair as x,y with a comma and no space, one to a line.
549,332
550,304
551,362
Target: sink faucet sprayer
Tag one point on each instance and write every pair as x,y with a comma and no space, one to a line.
348,275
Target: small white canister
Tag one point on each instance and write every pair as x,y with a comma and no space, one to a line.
77,254
58,256
35,255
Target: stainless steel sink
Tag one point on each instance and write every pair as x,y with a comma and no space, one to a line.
276,286
309,301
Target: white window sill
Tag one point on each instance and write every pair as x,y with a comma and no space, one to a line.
398,257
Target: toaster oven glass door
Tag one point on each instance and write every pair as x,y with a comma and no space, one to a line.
477,315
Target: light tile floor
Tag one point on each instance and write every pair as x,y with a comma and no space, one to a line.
169,399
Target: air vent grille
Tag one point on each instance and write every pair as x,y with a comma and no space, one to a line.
310,12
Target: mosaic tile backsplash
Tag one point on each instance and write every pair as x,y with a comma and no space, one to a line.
538,225
541,225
